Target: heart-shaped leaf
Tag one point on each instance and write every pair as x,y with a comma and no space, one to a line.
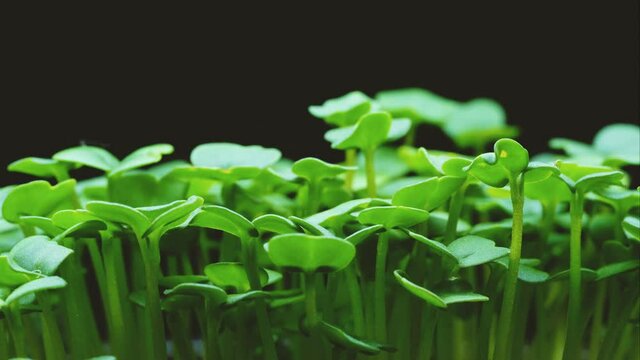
429,194
622,199
229,221
275,224
371,131
87,229
416,104
313,169
229,156
477,122
473,250
494,169
34,286
392,216
584,179
142,157
175,280
39,254
91,156
526,271
344,110
340,213
442,300
121,215
42,167
43,223
212,293
435,246
38,198
232,276
551,189
310,228
176,212
309,253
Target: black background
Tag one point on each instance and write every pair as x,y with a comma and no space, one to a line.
188,76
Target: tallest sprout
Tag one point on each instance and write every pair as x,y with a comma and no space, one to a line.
507,165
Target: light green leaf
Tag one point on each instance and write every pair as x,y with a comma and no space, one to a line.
473,250
275,223
392,216
11,274
361,235
371,131
38,198
39,254
142,157
614,269
313,169
508,159
232,277
526,271
416,104
429,194
230,156
221,218
435,246
121,215
439,300
214,294
309,253
90,156
588,178
631,227
477,122
344,110
342,339
41,167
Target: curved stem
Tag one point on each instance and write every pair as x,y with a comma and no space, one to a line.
52,339
380,306
370,170
455,208
572,346
511,280
355,298
151,259
251,262
350,160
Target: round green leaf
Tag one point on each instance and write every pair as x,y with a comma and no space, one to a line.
631,226
369,132
38,198
478,122
34,286
526,271
473,250
441,300
229,156
232,277
588,178
392,216
41,167
142,157
11,274
309,253
214,294
39,254
121,215
416,104
275,224
344,110
313,169
429,194
618,268
90,156
494,169
229,221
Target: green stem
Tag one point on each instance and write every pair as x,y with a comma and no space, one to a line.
119,333
355,298
455,208
618,322
410,138
380,306
511,280
369,164
573,345
429,321
486,316
156,348
310,300
350,160
53,345
213,324
16,328
181,336
251,262
313,197
4,340
596,325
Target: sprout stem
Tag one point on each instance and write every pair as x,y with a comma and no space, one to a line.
455,208
4,341
516,184
380,307
16,327
355,298
573,347
310,291
212,345
596,327
350,160
53,345
251,262
369,164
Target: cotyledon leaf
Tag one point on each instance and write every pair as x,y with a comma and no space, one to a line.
392,216
614,269
38,198
275,223
473,250
442,300
120,214
39,254
34,286
631,227
309,253
429,194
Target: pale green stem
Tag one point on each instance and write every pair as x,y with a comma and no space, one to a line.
370,170
355,298
350,160
212,345
573,344
596,325
455,208
156,349
251,266
380,307
52,339
516,184
16,327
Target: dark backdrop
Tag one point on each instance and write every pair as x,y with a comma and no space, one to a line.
188,76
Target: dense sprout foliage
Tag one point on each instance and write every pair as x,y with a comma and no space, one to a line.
400,252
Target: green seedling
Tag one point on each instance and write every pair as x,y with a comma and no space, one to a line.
240,253
371,131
